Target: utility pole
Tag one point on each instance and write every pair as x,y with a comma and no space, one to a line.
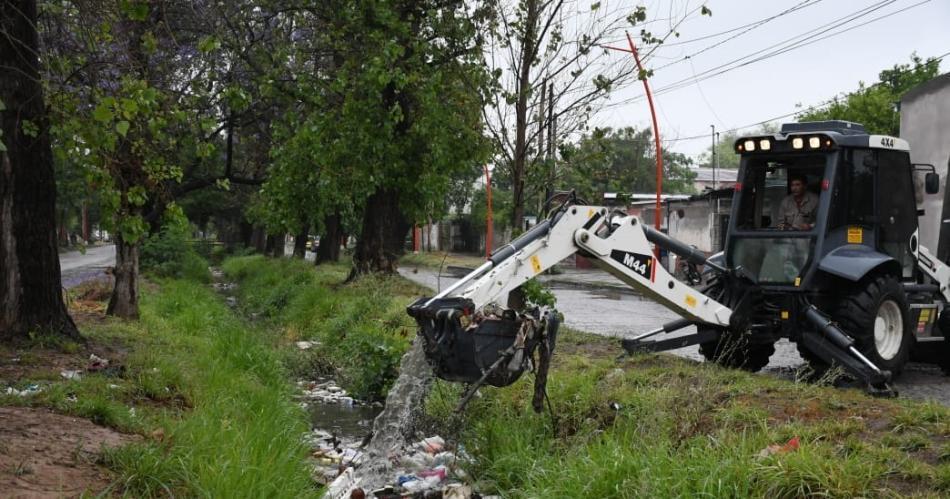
552,131
712,161
716,179
488,215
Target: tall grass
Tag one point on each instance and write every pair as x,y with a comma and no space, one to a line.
657,426
649,426
237,432
362,327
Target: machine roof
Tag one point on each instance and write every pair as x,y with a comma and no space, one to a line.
843,133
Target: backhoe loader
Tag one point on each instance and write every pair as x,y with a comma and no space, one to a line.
849,282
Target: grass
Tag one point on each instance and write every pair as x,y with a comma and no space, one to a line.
208,392
646,426
362,327
695,430
682,429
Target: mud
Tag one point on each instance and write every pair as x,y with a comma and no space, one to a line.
49,455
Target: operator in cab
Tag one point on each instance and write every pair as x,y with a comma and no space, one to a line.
798,209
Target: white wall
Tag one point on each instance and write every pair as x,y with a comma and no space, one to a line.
925,124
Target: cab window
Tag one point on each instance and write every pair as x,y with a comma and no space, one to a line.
780,193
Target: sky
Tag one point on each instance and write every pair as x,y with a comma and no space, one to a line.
774,86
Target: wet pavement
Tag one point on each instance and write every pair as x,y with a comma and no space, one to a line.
596,305
77,267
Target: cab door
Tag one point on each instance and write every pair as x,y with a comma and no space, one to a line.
896,207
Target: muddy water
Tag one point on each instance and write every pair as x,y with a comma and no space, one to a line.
345,422
613,311
391,429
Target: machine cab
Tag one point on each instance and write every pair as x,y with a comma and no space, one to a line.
822,189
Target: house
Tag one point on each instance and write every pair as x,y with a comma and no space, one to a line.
713,178
700,220
925,124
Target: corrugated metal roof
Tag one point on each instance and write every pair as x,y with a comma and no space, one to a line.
705,174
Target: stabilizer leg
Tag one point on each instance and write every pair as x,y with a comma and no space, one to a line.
638,345
833,346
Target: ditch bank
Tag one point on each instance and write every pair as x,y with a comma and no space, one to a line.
647,426
349,347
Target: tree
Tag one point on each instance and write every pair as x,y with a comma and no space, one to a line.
387,115
131,107
875,105
622,161
551,75
726,156
30,283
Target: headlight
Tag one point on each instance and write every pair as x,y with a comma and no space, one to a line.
798,143
749,145
814,142
765,145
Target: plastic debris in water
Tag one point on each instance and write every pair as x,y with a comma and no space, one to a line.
97,363
433,445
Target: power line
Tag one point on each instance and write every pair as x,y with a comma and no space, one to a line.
786,45
799,6
797,45
786,115
795,8
796,42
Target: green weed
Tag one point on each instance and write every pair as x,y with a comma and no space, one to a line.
208,391
361,327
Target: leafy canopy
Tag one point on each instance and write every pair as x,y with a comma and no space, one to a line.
875,105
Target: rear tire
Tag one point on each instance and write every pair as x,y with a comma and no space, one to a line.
876,314
736,351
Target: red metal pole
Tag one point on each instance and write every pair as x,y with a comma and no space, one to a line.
488,215
656,134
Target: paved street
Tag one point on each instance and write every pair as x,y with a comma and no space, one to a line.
77,267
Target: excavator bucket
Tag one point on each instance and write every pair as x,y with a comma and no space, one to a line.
466,346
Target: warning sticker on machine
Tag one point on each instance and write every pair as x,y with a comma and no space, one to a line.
855,235
536,264
637,262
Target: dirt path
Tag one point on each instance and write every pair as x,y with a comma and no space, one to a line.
49,455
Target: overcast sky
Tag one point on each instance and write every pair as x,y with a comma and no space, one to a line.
774,86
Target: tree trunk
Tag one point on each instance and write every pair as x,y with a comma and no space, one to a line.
259,240
382,236
247,234
300,243
125,295
63,233
269,243
521,114
85,223
31,297
329,249
274,246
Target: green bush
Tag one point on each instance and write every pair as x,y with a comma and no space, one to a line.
362,326
169,254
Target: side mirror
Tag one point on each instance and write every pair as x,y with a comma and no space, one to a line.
932,183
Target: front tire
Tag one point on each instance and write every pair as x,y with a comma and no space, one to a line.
876,314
